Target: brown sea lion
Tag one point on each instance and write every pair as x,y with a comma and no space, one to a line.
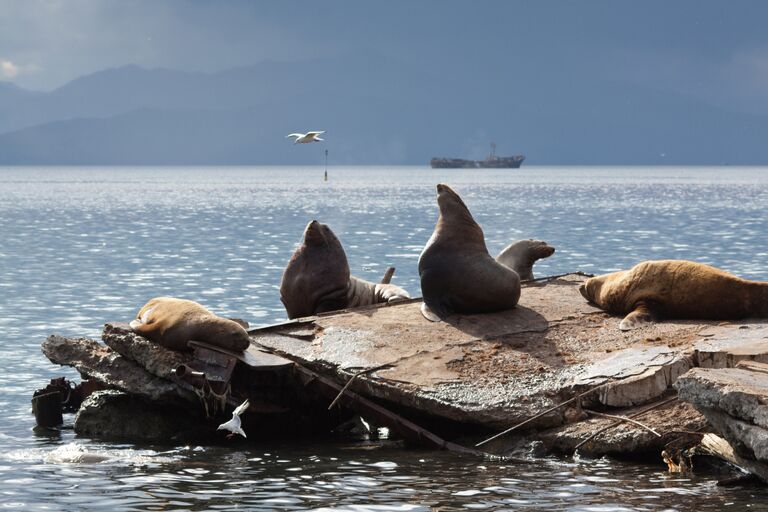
521,255
457,273
317,279
172,323
676,289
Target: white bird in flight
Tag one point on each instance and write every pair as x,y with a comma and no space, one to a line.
303,138
233,425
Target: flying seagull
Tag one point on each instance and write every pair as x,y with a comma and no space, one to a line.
233,425
303,138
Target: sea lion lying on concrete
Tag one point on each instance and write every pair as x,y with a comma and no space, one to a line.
457,273
676,289
521,255
317,278
172,323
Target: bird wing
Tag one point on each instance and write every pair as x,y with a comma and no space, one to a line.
314,134
240,409
299,135
229,425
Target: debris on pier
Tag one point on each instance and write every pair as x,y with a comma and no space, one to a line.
459,380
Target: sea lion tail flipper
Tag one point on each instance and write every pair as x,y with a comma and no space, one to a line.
428,313
641,315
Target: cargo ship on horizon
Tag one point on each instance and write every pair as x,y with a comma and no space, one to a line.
493,162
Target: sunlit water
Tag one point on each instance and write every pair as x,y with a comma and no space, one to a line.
82,246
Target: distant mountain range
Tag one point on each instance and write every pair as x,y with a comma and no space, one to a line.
374,110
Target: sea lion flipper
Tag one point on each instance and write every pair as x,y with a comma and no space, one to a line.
428,313
390,293
641,315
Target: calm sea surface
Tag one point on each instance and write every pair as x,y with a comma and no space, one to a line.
83,246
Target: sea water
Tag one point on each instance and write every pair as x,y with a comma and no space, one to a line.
83,246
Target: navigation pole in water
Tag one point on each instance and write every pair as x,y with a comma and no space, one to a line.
326,165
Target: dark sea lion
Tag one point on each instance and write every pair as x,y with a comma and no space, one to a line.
676,289
457,273
172,323
521,255
317,279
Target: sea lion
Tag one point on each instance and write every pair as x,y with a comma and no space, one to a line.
457,273
317,278
172,323
675,289
521,255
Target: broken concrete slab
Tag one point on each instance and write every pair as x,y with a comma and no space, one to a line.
725,345
737,392
98,362
735,402
492,369
157,360
635,375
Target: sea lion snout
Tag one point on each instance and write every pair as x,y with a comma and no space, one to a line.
312,228
584,293
546,250
318,233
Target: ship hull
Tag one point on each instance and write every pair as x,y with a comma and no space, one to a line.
502,162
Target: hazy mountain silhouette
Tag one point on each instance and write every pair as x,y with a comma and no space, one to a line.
375,111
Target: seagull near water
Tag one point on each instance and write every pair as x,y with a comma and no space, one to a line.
233,425
303,138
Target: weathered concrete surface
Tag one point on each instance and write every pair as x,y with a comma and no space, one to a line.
157,360
737,392
115,415
493,369
735,402
107,366
724,346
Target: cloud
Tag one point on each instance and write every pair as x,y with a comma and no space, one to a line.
8,69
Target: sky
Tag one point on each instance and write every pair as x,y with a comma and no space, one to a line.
716,52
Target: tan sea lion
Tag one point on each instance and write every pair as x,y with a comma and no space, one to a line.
521,255
172,323
317,279
457,273
676,289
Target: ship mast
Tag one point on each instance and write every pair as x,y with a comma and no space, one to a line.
493,151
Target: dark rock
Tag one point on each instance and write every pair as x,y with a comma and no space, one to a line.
115,415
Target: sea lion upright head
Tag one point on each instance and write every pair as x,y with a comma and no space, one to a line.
454,213
317,275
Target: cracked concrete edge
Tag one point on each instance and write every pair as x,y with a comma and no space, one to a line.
699,388
646,386
748,441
